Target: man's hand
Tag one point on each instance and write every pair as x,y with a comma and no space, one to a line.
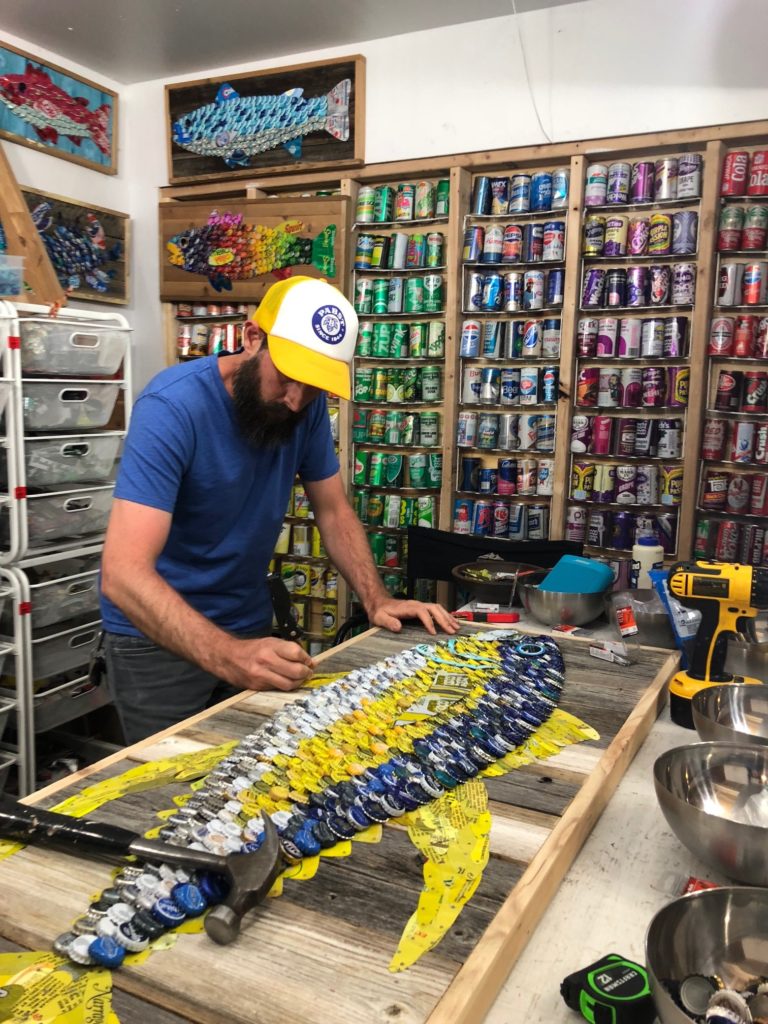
268,664
389,613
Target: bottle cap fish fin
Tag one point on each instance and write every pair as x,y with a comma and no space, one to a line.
294,147
226,92
296,91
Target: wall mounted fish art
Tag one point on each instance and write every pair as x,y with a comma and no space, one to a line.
227,249
78,251
236,127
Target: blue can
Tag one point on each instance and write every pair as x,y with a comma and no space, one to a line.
561,178
533,243
541,191
510,385
482,518
550,376
463,514
506,477
555,286
470,470
487,480
622,530
492,339
473,244
533,335
514,346
469,346
481,195
520,193
493,293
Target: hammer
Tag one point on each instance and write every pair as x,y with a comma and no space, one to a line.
250,875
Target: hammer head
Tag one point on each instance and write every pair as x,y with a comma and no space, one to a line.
251,876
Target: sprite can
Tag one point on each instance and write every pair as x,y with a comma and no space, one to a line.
425,511
435,339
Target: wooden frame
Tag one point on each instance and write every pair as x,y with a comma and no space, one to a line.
319,148
111,274
90,108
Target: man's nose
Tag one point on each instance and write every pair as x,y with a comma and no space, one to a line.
294,396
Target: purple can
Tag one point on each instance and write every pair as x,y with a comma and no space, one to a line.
666,531
599,528
482,518
594,287
637,286
626,485
685,231
654,387
602,432
470,473
555,287
619,175
641,182
675,336
660,280
622,530
500,512
631,387
607,332
616,287
646,435
586,337
581,434
678,379
624,445
683,290
637,236
629,338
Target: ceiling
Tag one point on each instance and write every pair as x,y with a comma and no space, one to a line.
139,40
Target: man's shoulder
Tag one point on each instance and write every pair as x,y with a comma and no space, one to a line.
176,380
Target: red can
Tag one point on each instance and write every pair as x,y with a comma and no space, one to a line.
754,392
761,443
729,388
733,180
753,284
758,174
721,336
761,339
727,541
744,332
714,490
751,546
738,495
512,244
758,496
713,440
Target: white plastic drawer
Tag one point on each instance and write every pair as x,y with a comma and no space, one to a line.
67,405
70,459
67,514
75,349
60,652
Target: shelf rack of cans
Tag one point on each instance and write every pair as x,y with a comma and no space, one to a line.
399,292
63,425
639,249
207,328
733,486
513,272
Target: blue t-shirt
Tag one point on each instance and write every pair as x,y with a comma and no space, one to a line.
184,454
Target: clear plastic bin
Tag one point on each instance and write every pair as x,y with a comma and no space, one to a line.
67,514
6,706
67,701
59,591
68,405
71,348
67,459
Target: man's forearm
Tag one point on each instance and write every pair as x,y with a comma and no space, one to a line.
347,545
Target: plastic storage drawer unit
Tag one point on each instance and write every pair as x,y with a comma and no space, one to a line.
62,651
53,347
70,459
6,706
67,514
67,405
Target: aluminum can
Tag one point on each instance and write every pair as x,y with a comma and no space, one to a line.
555,287
499,196
738,494
660,284
481,195
641,182
363,251
704,541
533,289
529,385
541,191
626,434
654,387
586,337
518,521
513,291
513,338
689,176
359,426
363,384
469,346
554,241
660,235
721,332
755,227
761,443
576,524
593,288
652,338
429,429
416,251
626,485
411,432
545,433
463,514
506,477
587,386
751,546
382,340
490,384
363,295
648,483
744,335
533,243
582,480
742,444
561,179
638,233
482,518
414,295
424,202
631,387
549,384
638,286
550,342
434,469
520,193
616,230
730,385
665,179
393,427
607,333
433,293
646,438
405,200
410,377
730,228
533,333
436,339
622,530
754,395
383,204
395,382
729,284
510,385
394,250
609,387
380,384
492,244
714,490
512,244
713,439
527,471
596,189
365,204
474,295
604,488
753,287
391,517
431,384
599,528
426,511
538,522
508,431
617,190
758,173
466,429
685,232
671,485
616,287
488,430
675,336
183,339
416,471
602,433
491,344
500,511
593,238
395,290
669,443
758,498
629,338
528,431
493,293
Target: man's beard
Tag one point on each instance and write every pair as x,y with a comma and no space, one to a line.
263,424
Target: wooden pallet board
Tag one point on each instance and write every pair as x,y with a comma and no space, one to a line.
320,952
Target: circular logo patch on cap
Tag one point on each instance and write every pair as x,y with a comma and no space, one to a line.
329,325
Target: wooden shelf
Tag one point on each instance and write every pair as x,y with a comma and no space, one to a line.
212,318
513,314
400,316
375,271
534,499
501,265
746,253
513,216
620,261
621,459
617,506
629,310
743,467
523,453
729,515
376,225
656,204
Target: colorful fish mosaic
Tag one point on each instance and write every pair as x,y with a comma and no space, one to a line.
226,249
78,252
236,127
52,112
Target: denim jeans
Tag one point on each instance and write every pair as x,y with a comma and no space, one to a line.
153,688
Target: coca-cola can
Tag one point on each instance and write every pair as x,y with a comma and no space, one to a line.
713,439
733,180
729,284
727,541
721,336
742,447
758,173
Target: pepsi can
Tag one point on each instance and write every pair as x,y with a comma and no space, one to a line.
549,382
469,347
482,518
533,333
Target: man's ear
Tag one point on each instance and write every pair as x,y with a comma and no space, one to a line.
253,337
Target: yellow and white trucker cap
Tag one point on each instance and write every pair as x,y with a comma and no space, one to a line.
311,331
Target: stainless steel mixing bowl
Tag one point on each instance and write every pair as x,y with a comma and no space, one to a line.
715,798
717,931
733,712
553,607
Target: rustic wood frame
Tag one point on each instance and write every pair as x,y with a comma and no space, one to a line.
121,295
184,96
53,148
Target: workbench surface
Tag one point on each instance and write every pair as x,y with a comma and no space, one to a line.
320,952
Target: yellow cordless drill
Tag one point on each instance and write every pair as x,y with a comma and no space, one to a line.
724,593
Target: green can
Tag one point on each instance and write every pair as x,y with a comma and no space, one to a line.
375,508
410,381
417,340
426,508
382,339
443,197
431,384
407,512
375,431
393,583
393,470
433,293
360,472
398,345
414,295
380,376
435,339
435,243
360,504
364,206
364,338
404,549
378,542
359,426
392,427
380,295
395,386
376,469
383,204
392,511
429,429
424,206
416,470
363,295
409,433
363,384
435,469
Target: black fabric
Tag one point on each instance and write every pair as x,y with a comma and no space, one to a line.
433,553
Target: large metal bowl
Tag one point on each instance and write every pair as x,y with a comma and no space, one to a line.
715,798
719,932
733,713
554,608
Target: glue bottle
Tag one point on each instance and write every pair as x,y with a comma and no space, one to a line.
647,554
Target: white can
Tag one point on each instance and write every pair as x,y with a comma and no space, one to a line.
545,477
596,188
466,430
470,385
528,431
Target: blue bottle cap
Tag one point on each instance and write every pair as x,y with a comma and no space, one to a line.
131,937
189,899
106,951
215,888
306,842
167,912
